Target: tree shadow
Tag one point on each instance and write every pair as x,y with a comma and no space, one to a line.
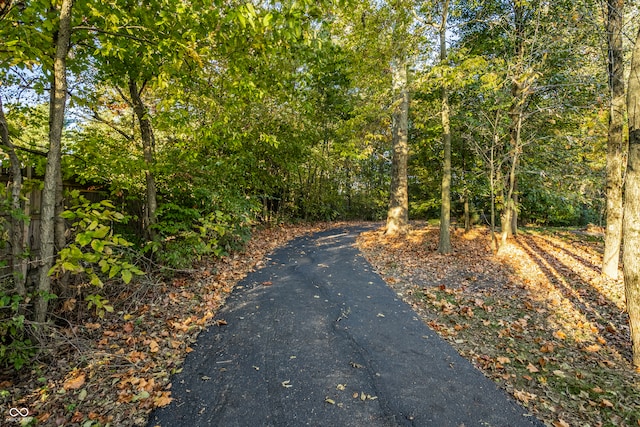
585,262
593,304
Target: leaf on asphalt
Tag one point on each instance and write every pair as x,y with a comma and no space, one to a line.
286,384
380,315
330,401
341,387
162,399
356,365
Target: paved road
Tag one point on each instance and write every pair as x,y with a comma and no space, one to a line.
316,338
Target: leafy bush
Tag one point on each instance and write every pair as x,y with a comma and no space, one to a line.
93,253
188,234
16,348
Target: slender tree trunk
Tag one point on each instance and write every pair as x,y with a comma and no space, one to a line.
398,214
18,260
615,144
631,223
148,146
444,242
467,213
60,227
56,121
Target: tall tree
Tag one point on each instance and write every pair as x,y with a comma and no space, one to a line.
58,101
631,223
615,145
398,214
444,242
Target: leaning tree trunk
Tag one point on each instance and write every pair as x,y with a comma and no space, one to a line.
18,260
615,143
444,241
148,146
631,223
398,215
56,121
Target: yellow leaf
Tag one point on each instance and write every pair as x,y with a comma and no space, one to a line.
560,335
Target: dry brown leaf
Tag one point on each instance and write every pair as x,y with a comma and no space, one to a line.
75,382
162,399
606,403
531,368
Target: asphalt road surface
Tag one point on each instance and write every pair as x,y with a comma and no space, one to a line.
316,338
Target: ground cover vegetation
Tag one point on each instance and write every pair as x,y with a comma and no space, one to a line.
141,142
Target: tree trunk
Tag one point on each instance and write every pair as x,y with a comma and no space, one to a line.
631,223
148,146
467,213
18,260
444,242
398,215
58,98
615,143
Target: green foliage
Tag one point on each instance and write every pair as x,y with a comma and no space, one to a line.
16,348
96,252
188,234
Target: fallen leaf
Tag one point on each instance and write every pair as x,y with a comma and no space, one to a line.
531,368
163,399
547,348
560,423
74,383
153,346
560,335
606,403
330,401
524,396
593,348
286,384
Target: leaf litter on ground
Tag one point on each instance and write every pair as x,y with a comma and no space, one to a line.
537,318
